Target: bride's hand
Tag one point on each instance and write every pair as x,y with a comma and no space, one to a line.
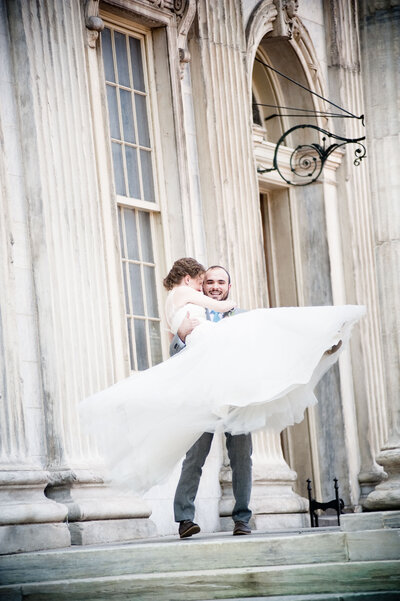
187,326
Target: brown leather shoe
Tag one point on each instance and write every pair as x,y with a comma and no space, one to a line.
188,528
241,528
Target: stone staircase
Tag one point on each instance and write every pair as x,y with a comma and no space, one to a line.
324,564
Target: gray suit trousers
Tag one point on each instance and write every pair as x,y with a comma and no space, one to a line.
239,449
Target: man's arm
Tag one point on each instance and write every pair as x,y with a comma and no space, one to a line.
178,341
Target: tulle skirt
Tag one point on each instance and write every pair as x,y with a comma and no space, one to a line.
242,374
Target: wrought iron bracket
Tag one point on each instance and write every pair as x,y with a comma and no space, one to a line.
307,160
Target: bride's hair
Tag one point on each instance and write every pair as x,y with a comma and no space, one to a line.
182,267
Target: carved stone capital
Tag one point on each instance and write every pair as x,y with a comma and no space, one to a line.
93,22
185,11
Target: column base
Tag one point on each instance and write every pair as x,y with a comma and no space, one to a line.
87,497
110,531
369,480
23,501
97,513
22,538
386,495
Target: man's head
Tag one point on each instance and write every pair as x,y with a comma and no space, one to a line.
217,282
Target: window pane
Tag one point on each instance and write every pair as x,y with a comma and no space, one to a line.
122,59
145,236
131,234
147,175
107,55
142,123
125,272
123,254
131,344
155,342
151,292
136,289
141,347
137,66
127,116
133,172
118,168
113,112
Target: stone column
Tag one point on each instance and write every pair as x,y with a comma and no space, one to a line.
72,234
380,62
356,227
231,209
223,115
28,519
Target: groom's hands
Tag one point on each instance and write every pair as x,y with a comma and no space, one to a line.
187,326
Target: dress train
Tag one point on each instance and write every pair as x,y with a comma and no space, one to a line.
256,369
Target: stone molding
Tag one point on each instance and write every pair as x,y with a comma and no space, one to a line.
184,11
93,22
185,14
261,22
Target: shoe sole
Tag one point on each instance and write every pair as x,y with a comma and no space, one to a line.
190,531
240,533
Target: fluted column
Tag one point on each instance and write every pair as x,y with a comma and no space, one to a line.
380,62
28,519
222,107
356,226
73,234
231,208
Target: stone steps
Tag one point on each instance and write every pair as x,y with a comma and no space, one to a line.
375,596
220,583
211,567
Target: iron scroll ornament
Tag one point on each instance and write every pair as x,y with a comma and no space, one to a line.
307,160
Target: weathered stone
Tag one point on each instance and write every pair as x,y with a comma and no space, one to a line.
350,522
97,532
19,538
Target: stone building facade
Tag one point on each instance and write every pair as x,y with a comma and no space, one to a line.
134,132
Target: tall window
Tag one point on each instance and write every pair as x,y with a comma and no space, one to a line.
133,162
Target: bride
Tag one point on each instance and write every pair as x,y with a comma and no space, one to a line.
238,375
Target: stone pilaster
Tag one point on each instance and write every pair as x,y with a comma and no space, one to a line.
356,225
380,43
80,329
222,107
28,519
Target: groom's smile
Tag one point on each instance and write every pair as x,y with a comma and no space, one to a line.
216,283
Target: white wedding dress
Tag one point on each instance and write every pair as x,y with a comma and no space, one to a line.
246,372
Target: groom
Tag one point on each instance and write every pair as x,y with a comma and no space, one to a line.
217,284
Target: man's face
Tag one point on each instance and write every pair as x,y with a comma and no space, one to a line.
216,284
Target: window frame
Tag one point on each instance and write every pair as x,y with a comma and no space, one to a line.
154,209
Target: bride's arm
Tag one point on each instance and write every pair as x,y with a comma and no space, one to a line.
185,294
